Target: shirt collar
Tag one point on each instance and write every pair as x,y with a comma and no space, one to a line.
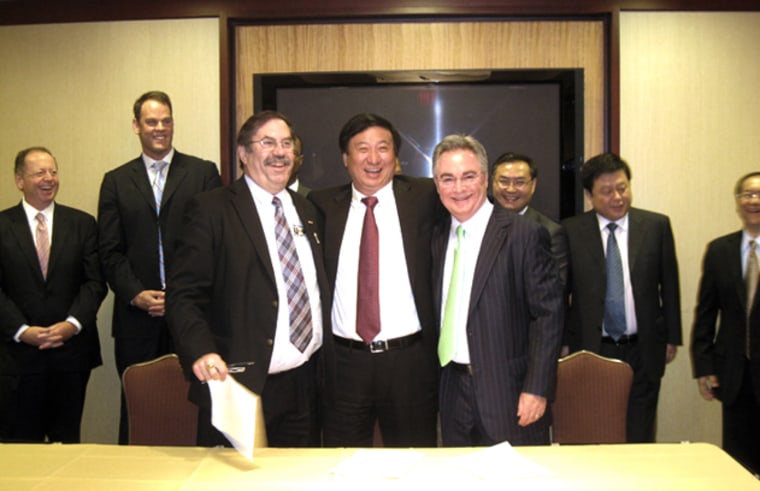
31,211
148,161
622,223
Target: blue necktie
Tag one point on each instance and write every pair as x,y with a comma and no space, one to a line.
614,302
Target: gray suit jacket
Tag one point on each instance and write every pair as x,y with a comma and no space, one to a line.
514,321
654,279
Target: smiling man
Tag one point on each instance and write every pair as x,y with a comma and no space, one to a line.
725,341
514,182
51,287
500,306
377,241
247,288
624,299
139,216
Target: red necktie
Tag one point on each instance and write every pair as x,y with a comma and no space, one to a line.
368,286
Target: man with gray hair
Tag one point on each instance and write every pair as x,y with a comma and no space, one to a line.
500,309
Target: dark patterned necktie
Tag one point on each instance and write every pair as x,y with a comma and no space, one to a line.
292,275
368,285
614,302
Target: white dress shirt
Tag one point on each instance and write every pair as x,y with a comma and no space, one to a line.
474,230
285,356
398,312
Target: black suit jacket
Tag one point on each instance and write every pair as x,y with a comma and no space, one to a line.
418,209
128,235
558,241
654,280
722,292
514,320
222,294
74,286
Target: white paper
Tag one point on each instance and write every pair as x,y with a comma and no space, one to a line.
498,461
378,464
233,412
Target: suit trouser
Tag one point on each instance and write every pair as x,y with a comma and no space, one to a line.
642,403
397,388
741,425
47,406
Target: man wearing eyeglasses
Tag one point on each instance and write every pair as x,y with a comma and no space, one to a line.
246,290
139,217
726,360
514,182
499,302
51,287
624,298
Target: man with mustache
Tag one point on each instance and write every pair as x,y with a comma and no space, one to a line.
246,288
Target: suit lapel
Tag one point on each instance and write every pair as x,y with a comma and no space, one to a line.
23,234
335,225
245,206
595,249
493,240
733,267
140,179
407,217
61,232
637,233
439,244
177,174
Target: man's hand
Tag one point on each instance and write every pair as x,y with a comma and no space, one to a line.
707,386
670,353
53,336
210,367
151,301
530,408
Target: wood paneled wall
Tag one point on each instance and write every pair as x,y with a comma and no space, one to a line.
427,46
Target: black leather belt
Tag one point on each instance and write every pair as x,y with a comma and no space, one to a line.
624,339
465,368
380,346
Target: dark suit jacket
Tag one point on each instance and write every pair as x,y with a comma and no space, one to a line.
514,321
222,294
558,241
654,279
74,286
722,291
418,209
128,236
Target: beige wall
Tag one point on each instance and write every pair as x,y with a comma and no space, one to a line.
690,127
70,87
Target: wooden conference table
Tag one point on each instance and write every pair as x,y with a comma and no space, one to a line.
689,466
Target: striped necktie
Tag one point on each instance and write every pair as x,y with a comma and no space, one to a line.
292,275
158,193
614,302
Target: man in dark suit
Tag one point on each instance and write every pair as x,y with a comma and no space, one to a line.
727,361
383,367
139,217
514,181
229,297
51,287
644,327
500,305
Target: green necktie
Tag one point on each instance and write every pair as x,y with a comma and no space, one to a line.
447,341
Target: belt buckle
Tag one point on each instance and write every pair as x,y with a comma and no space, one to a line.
378,346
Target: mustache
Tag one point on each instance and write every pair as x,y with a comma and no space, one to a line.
275,160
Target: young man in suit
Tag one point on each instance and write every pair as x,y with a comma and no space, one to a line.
727,360
624,298
383,366
51,287
499,298
139,217
514,181
231,300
